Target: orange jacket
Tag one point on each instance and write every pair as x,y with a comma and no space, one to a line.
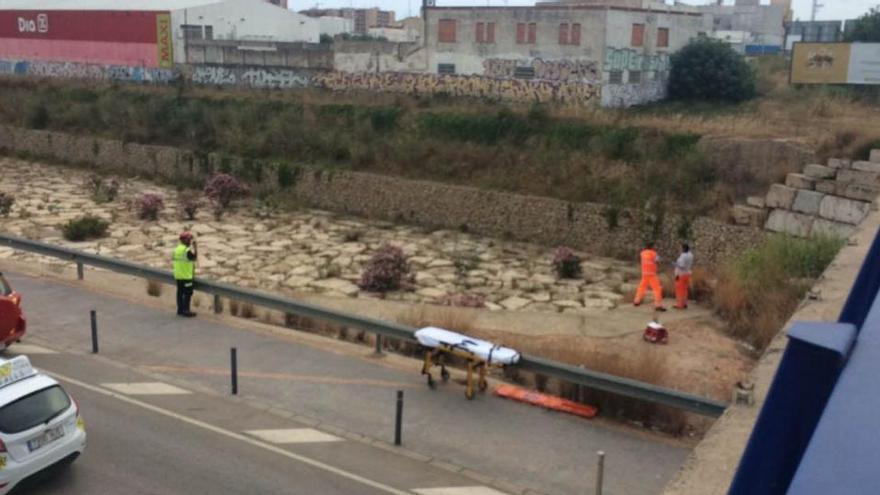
649,262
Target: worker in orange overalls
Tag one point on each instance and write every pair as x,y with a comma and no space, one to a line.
649,260
683,267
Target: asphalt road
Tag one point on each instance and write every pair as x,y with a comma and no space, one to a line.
135,451
335,387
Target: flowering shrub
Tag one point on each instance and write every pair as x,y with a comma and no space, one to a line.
6,201
149,205
223,189
566,263
189,205
385,271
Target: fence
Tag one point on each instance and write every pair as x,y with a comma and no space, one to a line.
573,374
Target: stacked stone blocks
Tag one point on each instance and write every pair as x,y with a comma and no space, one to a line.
827,199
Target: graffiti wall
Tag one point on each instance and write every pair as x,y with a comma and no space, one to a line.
74,70
547,70
522,90
254,77
629,59
627,95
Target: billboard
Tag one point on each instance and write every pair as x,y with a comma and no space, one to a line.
835,63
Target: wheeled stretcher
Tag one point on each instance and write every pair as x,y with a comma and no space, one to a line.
480,355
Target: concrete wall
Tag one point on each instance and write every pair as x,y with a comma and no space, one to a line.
251,77
290,55
528,218
244,20
73,70
378,56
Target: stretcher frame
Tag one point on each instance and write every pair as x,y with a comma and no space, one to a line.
434,356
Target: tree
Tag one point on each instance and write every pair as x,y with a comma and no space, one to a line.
867,27
710,70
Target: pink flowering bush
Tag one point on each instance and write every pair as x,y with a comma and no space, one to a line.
566,263
385,271
149,205
189,205
223,189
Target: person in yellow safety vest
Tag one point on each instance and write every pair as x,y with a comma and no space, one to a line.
183,259
649,260
684,265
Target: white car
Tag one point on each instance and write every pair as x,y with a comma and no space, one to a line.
40,424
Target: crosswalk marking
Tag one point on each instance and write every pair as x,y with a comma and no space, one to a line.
458,490
29,349
145,388
293,435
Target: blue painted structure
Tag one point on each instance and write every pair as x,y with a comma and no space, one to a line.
817,432
763,49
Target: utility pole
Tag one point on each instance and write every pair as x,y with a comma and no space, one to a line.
816,7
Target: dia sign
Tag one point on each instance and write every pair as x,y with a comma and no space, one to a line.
38,25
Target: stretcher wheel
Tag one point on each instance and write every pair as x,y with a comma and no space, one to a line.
483,386
469,394
431,383
444,375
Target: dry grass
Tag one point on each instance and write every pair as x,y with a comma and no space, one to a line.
450,318
154,288
247,311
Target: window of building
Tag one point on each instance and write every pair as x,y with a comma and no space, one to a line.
662,37
521,33
524,72
485,32
446,31
574,35
191,32
635,76
615,77
209,32
533,33
638,35
526,33
563,34
446,68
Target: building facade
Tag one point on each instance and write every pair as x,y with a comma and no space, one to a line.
363,19
622,52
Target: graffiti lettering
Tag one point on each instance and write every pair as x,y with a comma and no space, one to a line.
85,71
547,70
627,95
627,59
460,85
257,77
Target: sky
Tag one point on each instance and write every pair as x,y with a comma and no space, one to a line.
833,9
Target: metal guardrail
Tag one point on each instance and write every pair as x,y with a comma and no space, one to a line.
593,379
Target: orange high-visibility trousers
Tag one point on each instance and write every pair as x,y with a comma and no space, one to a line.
654,282
682,284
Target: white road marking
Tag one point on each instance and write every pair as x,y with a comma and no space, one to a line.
293,435
237,436
458,490
30,349
146,388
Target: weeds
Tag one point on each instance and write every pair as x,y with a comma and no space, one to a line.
154,288
84,228
6,202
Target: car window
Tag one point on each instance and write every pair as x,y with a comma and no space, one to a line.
5,289
34,409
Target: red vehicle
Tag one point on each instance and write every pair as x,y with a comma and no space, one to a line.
12,322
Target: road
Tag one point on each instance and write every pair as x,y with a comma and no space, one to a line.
336,387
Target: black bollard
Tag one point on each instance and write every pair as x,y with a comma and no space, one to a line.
233,360
94,317
399,418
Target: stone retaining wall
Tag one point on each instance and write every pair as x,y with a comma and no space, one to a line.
529,218
823,200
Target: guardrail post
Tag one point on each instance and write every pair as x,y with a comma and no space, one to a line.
94,317
398,419
79,270
600,471
378,344
233,361
218,308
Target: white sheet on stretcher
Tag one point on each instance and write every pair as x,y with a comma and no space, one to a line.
487,351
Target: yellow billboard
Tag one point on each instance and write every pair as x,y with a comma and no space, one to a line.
820,63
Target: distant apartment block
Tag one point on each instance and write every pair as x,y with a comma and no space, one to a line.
363,19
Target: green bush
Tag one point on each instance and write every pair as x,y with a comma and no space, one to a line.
867,27
710,70
85,227
787,257
6,202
